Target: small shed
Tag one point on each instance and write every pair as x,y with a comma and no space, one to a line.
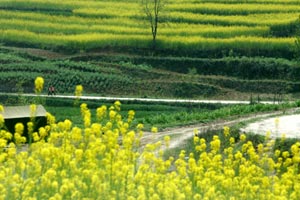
15,114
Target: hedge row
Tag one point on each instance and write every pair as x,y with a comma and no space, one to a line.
241,67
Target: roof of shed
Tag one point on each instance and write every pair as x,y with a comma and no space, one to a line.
11,112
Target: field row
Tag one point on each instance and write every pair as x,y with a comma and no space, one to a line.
286,2
232,9
186,6
250,20
98,40
118,78
252,28
171,29
70,27
180,17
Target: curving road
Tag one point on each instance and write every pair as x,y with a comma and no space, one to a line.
180,135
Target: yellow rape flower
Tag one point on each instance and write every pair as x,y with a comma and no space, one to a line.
19,128
68,124
295,149
140,126
32,110
3,143
79,154
42,132
117,105
277,153
76,134
196,139
243,137
285,154
78,90
1,121
30,127
226,131
39,84
50,118
154,129
35,137
131,114
215,144
101,112
112,114
6,135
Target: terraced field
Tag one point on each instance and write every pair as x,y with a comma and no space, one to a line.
186,27
204,49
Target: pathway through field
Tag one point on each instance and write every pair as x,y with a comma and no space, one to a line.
277,126
181,134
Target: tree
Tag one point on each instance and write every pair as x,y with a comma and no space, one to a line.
152,9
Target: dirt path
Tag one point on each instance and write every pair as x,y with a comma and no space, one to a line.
289,125
143,99
180,135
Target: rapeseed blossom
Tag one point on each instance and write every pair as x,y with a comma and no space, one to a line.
154,129
226,131
101,112
1,120
105,160
78,90
39,84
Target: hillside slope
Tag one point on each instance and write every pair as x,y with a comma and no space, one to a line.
204,49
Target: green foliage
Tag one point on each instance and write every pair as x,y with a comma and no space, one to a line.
285,144
241,67
179,118
117,75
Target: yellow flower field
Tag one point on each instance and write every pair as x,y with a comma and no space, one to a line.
103,160
87,25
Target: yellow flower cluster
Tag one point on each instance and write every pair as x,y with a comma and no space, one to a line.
78,90
39,84
86,115
101,112
103,160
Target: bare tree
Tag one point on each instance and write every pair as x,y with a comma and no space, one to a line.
152,9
